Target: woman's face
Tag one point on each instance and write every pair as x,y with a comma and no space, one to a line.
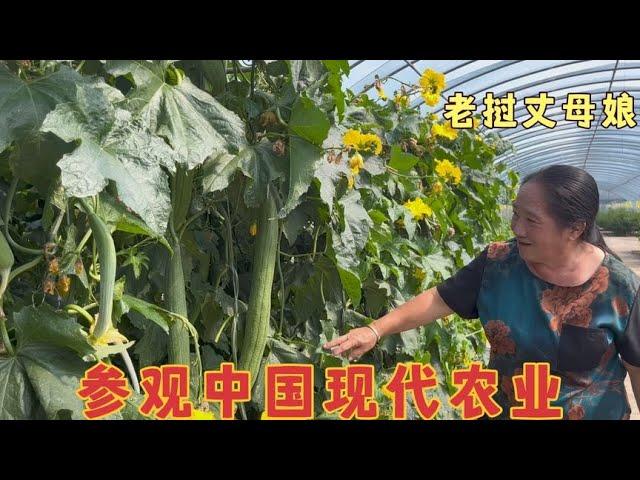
536,231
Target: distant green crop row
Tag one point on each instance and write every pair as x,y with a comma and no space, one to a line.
620,220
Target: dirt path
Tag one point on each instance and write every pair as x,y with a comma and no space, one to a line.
628,248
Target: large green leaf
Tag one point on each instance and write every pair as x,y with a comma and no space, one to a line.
149,311
54,374
113,147
313,286
409,223
116,213
45,373
71,259
308,121
403,162
306,73
411,341
375,297
46,325
303,161
195,124
25,104
18,401
375,166
286,353
335,87
470,151
348,243
34,160
215,72
355,230
351,284
131,408
262,166
329,175
311,126
437,262
297,219
409,124
152,347
337,68
218,171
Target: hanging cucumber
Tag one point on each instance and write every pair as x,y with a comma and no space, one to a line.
107,256
177,303
182,188
264,263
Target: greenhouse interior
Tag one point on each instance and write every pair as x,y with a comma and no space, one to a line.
319,240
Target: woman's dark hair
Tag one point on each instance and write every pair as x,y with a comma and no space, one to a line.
572,197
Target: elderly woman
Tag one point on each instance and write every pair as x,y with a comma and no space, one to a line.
554,293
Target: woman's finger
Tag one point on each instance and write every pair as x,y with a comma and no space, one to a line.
343,347
335,341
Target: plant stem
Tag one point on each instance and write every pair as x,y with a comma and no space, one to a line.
267,77
405,84
394,172
474,333
218,277
190,220
56,225
5,335
25,267
281,283
5,280
137,245
7,219
324,302
236,293
295,255
224,324
132,371
253,77
73,308
282,135
279,117
93,272
84,240
315,243
239,69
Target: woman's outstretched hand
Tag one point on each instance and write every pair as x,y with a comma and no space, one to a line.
353,344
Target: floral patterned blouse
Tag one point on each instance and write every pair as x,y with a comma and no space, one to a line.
582,332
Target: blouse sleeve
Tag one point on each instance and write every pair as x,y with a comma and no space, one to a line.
629,343
460,292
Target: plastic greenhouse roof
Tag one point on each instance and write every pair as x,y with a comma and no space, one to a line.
611,155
